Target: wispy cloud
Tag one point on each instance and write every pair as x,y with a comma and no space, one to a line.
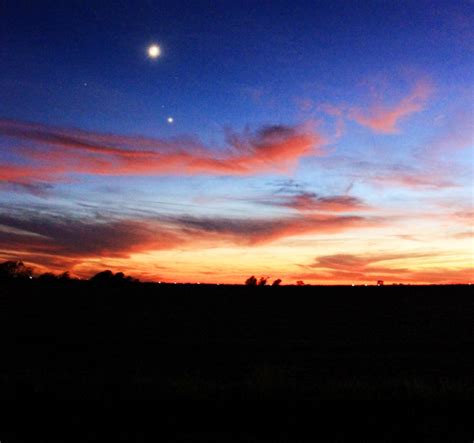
384,118
416,175
99,236
256,231
69,236
465,235
408,177
457,133
362,268
37,189
310,201
359,263
52,153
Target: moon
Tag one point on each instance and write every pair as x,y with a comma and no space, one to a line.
154,51
170,120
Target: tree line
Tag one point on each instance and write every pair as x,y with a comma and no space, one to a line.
16,270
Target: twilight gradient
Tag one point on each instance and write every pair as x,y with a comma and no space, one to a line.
330,142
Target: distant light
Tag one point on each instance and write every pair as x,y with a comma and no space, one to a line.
31,278
170,120
154,51
353,284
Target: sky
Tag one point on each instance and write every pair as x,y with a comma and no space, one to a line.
323,141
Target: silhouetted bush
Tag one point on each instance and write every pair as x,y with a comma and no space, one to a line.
47,277
108,277
277,282
103,277
15,270
251,281
65,276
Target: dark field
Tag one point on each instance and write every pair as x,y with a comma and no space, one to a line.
224,363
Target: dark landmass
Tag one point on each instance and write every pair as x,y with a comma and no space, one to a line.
191,363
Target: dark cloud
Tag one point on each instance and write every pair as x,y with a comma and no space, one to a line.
259,230
37,189
76,237
98,236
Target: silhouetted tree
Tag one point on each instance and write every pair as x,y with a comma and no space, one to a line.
251,281
119,276
15,270
277,282
262,281
108,277
300,283
47,277
65,276
103,277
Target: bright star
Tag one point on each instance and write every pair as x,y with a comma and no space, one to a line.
154,51
170,120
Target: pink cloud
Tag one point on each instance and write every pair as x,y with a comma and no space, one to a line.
335,111
53,153
341,203
414,180
384,119
309,201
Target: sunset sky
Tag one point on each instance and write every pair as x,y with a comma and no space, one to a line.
323,141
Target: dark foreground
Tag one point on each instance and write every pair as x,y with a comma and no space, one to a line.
178,363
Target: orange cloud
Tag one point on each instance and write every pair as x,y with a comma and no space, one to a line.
53,153
384,119
347,268
52,237
466,234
